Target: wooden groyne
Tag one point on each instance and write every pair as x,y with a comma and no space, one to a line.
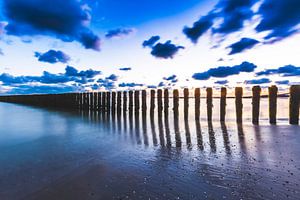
118,102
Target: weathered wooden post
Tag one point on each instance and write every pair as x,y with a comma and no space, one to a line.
104,102
273,92
197,94
166,102
256,91
130,102
99,101
119,103
137,101
209,102
113,103
144,101
159,100
294,104
95,100
152,100
108,102
86,101
176,102
124,102
186,103
239,104
223,104
91,98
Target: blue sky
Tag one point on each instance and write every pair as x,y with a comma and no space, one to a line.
75,45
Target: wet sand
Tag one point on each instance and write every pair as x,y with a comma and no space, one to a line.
47,154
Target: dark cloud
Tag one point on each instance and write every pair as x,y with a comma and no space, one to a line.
112,77
66,20
125,69
151,41
288,70
71,75
170,78
242,45
225,71
52,57
233,14
165,50
258,81
42,89
130,85
279,17
223,82
118,33
199,28
284,82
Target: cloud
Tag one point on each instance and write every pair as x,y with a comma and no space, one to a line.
284,82
112,77
232,13
125,69
151,41
67,20
223,82
1,52
71,75
225,71
199,28
288,70
172,79
258,81
165,50
119,33
42,89
280,18
242,45
52,57
131,85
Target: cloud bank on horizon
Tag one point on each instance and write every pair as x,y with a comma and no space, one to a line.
85,22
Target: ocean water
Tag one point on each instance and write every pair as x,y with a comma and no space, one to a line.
51,154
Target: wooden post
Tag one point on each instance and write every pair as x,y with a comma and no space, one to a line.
130,101
144,101
294,104
197,103
209,102
239,104
95,100
166,101
186,103
152,100
256,91
119,103
99,101
273,90
108,101
124,101
91,98
113,103
175,103
103,101
223,104
159,100
136,101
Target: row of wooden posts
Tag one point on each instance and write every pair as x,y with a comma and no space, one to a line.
115,101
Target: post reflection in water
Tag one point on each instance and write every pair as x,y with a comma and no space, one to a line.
225,138
161,131
199,135
212,139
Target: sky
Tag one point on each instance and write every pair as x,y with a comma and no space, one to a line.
54,46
